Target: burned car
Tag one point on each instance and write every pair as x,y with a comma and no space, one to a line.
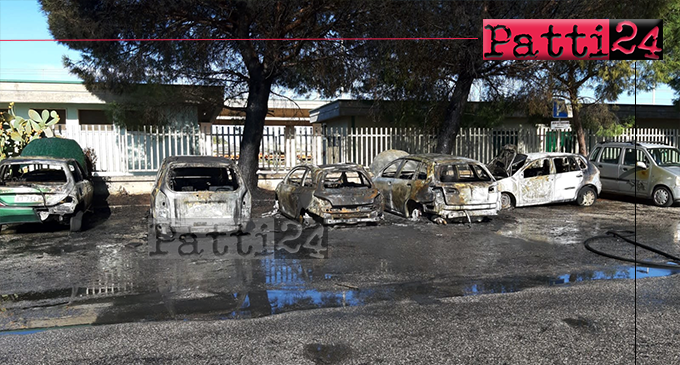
332,194
441,186
199,194
526,179
41,189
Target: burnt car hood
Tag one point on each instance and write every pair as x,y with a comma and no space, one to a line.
348,196
501,164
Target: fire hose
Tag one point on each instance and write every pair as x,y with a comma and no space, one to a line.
625,236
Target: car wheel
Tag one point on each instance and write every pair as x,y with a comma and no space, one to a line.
76,223
507,201
662,196
586,196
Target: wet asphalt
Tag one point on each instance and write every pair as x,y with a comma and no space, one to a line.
519,288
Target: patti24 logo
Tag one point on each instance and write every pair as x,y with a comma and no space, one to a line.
573,39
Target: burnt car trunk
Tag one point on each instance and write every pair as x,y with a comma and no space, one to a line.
195,194
468,194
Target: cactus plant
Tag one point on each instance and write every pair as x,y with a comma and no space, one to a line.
16,132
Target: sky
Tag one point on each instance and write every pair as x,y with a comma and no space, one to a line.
42,61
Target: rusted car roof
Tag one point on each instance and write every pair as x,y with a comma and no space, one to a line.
440,158
339,166
316,170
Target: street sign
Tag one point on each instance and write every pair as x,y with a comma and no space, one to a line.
561,109
559,124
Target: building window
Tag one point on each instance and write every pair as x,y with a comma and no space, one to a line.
87,117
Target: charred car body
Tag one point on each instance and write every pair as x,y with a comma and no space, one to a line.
543,178
199,194
332,193
42,189
443,186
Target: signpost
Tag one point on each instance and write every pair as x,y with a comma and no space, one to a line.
559,124
560,110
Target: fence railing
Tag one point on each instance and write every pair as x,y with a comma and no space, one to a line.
121,150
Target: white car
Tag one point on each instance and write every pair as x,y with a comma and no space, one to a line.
544,178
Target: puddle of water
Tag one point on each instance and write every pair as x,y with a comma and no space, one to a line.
35,330
287,289
624,272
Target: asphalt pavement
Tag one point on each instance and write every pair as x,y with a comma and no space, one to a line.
517,289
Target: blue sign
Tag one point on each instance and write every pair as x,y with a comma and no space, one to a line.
560,109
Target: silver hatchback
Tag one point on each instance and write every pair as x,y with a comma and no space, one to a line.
639,169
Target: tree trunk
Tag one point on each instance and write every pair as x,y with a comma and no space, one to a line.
578,127
256,111
454,111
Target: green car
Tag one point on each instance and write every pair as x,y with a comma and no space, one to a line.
37,189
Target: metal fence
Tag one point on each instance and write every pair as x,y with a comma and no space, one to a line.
121,150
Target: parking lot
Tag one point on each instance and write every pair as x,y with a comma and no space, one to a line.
55,277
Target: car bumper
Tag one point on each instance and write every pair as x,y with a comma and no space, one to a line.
19,215
196,226
463,211
354,218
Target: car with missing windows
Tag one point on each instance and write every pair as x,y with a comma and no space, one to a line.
49,181
332,194
646,170
41,189
199,194
440,186
526,179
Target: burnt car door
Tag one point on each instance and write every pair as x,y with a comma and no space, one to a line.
608,162
289,192
633,179
536,182
403,184
385,180
568,178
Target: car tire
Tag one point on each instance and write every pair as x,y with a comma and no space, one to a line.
507,202
586,196
76,222
662,196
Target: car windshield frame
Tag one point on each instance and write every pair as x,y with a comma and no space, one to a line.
204,182
64,166
366,181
